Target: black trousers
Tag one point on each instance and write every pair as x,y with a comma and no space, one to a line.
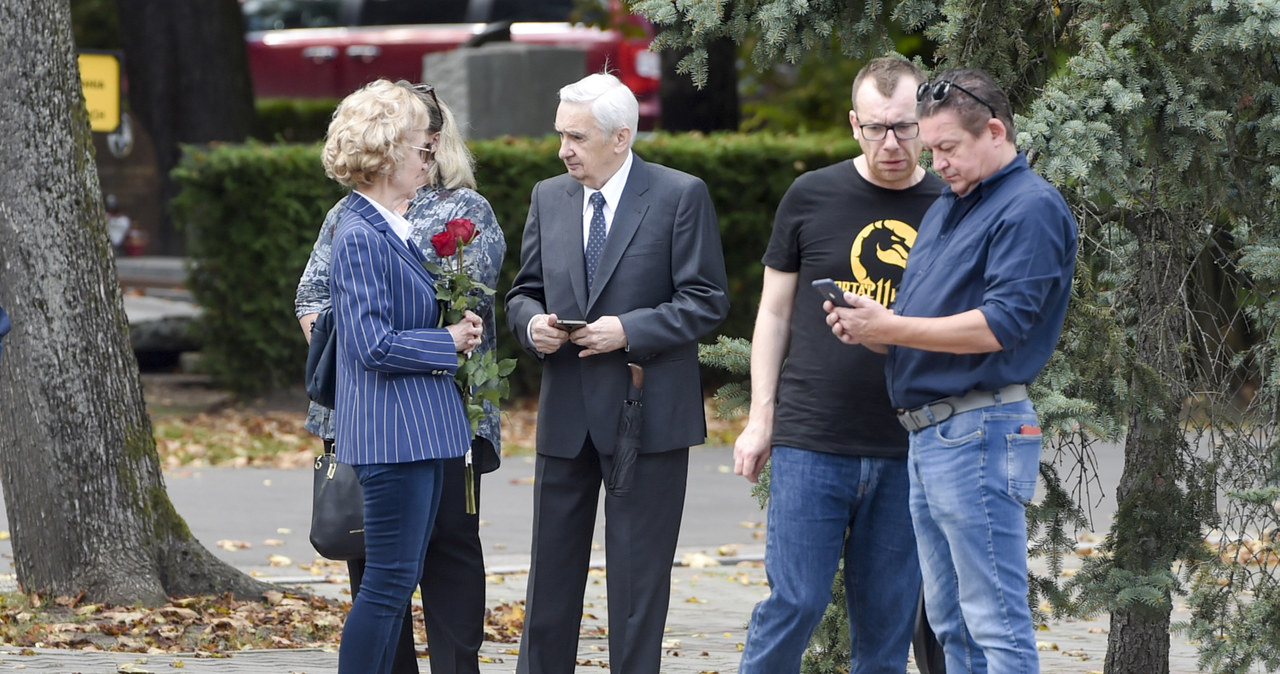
640,543
929,656
452,586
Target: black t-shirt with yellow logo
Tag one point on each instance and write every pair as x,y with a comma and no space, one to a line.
832,223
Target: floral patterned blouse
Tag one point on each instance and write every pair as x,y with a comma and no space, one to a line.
427,213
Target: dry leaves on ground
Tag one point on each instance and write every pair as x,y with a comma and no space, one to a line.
241,436
504,623
203,625
236,437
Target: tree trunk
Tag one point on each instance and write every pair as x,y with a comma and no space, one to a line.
189,82
87,506
1138,640
1154,513
712,108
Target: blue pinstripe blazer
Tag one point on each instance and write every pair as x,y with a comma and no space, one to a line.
396,399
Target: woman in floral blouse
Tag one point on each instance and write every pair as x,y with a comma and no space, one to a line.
452,579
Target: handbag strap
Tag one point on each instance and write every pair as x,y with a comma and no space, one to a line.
330,452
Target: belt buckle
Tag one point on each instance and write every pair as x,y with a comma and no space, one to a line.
917,418
906,420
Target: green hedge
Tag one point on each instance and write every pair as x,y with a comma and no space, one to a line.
292,120
252,212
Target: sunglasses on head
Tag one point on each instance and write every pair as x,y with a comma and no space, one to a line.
426,90
938,91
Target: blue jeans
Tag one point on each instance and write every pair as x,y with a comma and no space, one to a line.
400,503
814,499
971,477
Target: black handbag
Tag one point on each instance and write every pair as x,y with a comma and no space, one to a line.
337,509
322,360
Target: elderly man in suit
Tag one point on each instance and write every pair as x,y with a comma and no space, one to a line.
633,249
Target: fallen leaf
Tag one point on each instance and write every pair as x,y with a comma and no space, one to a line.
228,544
698,560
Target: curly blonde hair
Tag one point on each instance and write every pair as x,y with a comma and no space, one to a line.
366,137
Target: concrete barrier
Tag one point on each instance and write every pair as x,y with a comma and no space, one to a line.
506,88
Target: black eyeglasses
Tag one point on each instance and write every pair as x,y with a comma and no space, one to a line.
939,90
901,130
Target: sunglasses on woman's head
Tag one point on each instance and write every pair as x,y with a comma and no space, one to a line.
426,90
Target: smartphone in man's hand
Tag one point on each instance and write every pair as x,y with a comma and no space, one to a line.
569,324
829,290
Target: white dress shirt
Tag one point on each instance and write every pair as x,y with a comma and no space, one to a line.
397,222
612,191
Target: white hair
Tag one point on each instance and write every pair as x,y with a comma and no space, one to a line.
613,104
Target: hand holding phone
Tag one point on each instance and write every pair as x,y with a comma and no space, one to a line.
828,289
569,324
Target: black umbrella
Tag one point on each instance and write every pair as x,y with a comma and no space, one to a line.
628,443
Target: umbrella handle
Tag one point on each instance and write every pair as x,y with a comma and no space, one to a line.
637,376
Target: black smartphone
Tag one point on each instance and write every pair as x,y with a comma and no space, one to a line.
828,289
569,324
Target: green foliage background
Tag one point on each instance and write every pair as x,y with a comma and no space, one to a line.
1159,122
253,211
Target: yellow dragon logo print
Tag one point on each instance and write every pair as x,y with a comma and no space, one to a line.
878,258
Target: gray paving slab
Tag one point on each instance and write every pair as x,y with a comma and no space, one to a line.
269,510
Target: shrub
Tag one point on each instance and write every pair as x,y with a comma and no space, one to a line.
292,120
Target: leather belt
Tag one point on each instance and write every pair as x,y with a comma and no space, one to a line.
939,411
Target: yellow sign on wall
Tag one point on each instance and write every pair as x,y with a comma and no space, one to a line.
100,78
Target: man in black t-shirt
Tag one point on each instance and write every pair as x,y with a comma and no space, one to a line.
821,408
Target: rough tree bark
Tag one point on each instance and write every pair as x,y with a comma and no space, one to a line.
1152,507
87,506
189,81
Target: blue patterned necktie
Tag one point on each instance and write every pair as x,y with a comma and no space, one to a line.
595,238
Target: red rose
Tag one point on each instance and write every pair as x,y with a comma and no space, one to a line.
462,228
445,243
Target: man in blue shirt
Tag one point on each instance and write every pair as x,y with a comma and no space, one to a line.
979,312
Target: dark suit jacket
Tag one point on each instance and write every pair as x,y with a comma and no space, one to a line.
396,400
661,272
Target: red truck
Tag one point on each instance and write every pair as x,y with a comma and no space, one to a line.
328,48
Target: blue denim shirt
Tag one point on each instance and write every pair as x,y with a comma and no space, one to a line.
1008,249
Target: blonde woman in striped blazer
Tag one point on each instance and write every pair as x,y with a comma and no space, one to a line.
398,411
